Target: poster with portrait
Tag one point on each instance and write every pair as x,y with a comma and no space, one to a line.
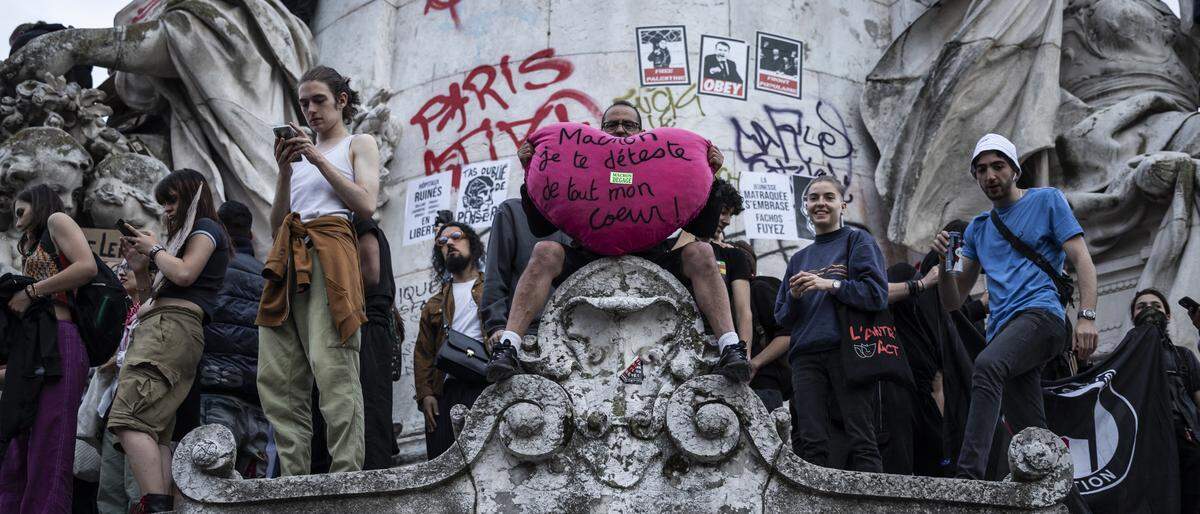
804,226
662,56
769,208
423,198
723,64
481,189
777,65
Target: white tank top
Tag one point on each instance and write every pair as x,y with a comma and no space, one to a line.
312,195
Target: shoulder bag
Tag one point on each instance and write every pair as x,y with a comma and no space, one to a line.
463,357
871,351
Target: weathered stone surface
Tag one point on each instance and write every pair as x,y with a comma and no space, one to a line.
583,434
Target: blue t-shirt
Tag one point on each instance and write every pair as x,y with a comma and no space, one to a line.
1044,221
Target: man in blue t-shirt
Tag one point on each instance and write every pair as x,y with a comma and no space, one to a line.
1027,325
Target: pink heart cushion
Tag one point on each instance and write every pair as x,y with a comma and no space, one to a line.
618,195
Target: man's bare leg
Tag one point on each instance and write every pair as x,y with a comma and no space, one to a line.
700,267
533,289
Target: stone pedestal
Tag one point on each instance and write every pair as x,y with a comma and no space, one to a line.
618,414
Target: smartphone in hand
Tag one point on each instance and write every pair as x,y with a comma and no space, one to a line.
1189,304
123,227
285,132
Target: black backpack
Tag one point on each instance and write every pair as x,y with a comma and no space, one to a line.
98,307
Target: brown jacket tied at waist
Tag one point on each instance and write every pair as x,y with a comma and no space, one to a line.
337,248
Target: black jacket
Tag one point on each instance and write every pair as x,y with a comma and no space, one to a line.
509,248
230,359
29,346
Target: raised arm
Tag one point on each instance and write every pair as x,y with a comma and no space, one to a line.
183,271
138,48
954,292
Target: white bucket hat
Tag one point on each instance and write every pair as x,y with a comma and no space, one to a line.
996,143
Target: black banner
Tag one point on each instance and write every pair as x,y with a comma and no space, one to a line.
1116,419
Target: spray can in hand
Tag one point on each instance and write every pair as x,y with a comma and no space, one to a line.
954,264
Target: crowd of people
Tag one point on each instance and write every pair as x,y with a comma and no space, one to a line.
296,353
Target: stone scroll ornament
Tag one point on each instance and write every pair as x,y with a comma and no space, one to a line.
618,195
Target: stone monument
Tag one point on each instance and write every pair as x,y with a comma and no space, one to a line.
618,416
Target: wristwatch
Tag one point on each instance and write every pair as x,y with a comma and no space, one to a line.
837,284
1087,314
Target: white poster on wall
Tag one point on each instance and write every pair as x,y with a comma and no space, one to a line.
424,197
769,206
481,189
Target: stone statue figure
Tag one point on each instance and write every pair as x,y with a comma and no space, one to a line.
1110,92
32,156
122,187
227,69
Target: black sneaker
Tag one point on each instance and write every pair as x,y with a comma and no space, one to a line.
504,363
733,364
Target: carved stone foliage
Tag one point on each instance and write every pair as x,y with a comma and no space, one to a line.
375,118
583,433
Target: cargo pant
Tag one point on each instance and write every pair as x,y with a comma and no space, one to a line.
304,349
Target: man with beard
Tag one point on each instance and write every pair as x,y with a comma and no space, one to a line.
456,254
1027,289
1150,307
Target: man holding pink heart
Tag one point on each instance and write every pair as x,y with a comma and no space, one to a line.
609,206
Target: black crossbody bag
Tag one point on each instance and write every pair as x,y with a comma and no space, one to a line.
1062,281
1064,363
462,356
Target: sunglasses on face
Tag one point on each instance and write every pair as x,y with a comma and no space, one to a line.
629,125
453,236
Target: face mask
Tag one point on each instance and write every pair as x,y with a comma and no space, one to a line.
1151,316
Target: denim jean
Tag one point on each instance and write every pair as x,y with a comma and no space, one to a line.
1008,373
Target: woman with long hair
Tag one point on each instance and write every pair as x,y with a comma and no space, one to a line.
312,304
177,284
36,473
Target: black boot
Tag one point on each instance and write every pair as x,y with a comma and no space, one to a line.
733,364
154,503
504,364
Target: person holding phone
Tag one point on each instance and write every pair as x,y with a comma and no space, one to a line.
177,285
313,303
36,470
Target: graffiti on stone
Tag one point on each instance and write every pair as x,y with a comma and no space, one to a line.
792,140
662,106
479,109
444,5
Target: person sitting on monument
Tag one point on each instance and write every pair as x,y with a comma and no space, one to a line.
552,262
166,345
509,248
313,304
36,469
844,264
733,265
456,255
1150,307
1027,326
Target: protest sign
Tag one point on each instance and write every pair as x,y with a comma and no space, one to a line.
723,64
618,195
778,65
482,187
424,196
769,212
662,55
804,226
